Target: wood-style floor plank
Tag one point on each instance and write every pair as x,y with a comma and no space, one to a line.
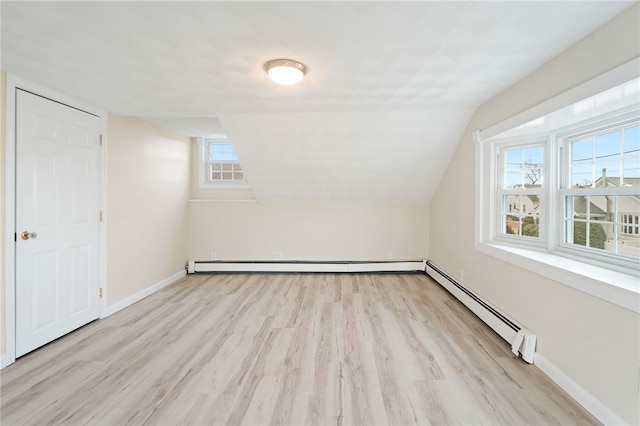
285,349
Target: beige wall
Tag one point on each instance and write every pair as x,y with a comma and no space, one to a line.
595,343
244,229
253,231
3,87
147,192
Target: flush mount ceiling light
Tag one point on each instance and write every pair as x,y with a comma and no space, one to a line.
285,71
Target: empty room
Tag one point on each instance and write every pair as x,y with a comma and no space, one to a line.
320,212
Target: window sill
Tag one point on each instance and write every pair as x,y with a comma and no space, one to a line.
622,289
224,185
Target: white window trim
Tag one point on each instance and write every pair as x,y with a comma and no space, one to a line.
620,286
203,180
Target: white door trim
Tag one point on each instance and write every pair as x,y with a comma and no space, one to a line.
13,83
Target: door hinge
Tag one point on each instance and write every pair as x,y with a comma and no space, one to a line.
100,139
100,217
100,292
15,236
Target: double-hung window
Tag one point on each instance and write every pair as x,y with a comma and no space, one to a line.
560,195
219,165
600,191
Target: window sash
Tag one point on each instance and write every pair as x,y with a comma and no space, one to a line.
603,214
590,132
592,228
225,171
530,198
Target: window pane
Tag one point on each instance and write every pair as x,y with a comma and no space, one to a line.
576,207
513,179
521,215
533,165
629,244
592,236
632,140
511,204
523,166
614,155
512,225
601,207
530,227
631,172
597,226
608,144
628,225
513,158
513,168
582,163
533,154
582,150
221,152
582,175
610,169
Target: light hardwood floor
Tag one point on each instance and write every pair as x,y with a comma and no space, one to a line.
290,349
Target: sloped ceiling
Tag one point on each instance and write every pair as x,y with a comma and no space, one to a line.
390,87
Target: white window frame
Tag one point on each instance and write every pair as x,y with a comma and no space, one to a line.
499,192
562,138
204,180
615,283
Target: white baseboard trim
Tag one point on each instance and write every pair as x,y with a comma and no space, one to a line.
194,266
577,392
112,309
505,327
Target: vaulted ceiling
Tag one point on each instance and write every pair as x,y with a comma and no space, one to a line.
390,87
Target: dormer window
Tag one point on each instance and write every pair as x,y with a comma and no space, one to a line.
219,165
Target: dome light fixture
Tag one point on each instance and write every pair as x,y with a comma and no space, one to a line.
285,71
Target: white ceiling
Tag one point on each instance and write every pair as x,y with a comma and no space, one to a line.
389,91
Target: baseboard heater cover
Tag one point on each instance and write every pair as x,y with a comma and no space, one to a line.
522,341
194,266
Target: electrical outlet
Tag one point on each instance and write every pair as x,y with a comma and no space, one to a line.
389,254
461,275
277,255
214,256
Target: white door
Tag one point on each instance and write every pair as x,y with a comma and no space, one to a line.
58,160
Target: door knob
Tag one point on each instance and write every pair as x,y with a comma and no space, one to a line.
28,235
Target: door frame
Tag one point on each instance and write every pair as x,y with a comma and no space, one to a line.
12,84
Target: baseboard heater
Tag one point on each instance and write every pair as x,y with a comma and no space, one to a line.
522,341
194,266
